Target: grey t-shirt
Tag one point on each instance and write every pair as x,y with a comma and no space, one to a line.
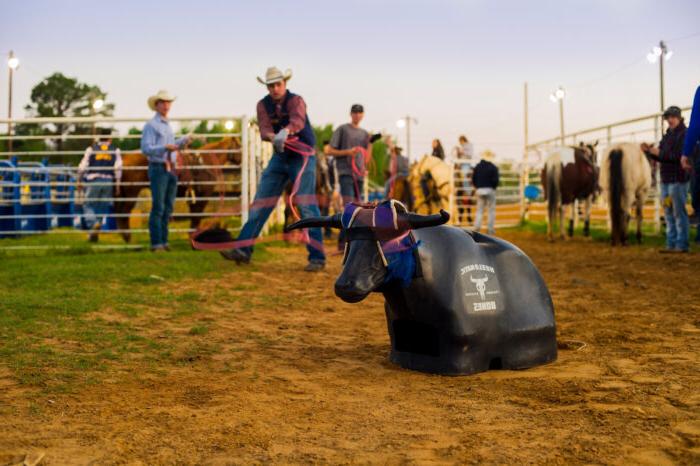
346,137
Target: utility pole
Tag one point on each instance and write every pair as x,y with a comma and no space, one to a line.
12,64
662,54
525,169
406,122
558,97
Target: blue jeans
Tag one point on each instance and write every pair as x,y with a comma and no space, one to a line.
282,168
485,197
95,207
163,192
676,216
347,188
348,194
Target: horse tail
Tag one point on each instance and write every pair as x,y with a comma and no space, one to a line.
616,188
553,175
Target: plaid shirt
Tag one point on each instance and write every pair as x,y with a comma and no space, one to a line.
297,117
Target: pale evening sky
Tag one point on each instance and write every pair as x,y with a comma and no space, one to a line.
456,66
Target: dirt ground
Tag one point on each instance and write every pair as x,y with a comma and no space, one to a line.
287,373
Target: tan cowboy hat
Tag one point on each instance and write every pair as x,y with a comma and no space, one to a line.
273,75
161,95
488,155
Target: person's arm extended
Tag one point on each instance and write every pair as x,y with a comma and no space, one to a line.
341,152
264,123
182,141
148,143
693,134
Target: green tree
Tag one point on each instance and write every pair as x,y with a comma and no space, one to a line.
62,96
129,143
380,162
323,134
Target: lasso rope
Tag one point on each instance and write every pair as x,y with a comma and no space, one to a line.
292,144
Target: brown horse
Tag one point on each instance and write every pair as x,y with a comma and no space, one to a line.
195,179
570,174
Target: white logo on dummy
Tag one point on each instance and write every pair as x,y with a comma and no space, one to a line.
480,284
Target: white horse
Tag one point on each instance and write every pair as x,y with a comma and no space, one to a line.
625,178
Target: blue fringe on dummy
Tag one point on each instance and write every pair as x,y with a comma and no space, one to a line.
402,264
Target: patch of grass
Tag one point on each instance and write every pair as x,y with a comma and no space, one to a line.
598,233
54,333
199,330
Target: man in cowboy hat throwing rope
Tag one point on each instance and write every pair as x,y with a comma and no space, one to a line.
160,146
283,121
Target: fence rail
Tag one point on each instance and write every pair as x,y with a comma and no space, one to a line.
45,198
648,126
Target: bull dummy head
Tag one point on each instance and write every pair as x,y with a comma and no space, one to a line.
379,246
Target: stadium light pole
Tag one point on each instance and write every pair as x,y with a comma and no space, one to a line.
12,64
660,53
558,96
405,122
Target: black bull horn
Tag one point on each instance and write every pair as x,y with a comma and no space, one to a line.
414,221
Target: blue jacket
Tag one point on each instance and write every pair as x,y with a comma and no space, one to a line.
693,135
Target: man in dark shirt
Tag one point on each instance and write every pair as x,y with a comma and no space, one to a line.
485,178
282,115
345,145
349,161
674,180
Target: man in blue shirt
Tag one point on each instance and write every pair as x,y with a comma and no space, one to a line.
160,146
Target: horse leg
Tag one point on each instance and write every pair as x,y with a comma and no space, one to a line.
587,216
640,213
121,208
625,227
571,220
562,219
196,208
550,219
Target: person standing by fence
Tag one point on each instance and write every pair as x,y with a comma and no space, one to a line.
438,151
101,169
158,143
349,161
485,178
345,143
282,116
674,180
690,160
463,162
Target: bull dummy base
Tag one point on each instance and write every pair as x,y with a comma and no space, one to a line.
480,306
457,302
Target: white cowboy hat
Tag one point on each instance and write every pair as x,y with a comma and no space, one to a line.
488,155
161,95
273,75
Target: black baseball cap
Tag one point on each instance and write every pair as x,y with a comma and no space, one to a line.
357,108
672,111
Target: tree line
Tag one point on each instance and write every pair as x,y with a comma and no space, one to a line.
61,96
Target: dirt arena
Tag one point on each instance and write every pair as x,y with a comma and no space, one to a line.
287,373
